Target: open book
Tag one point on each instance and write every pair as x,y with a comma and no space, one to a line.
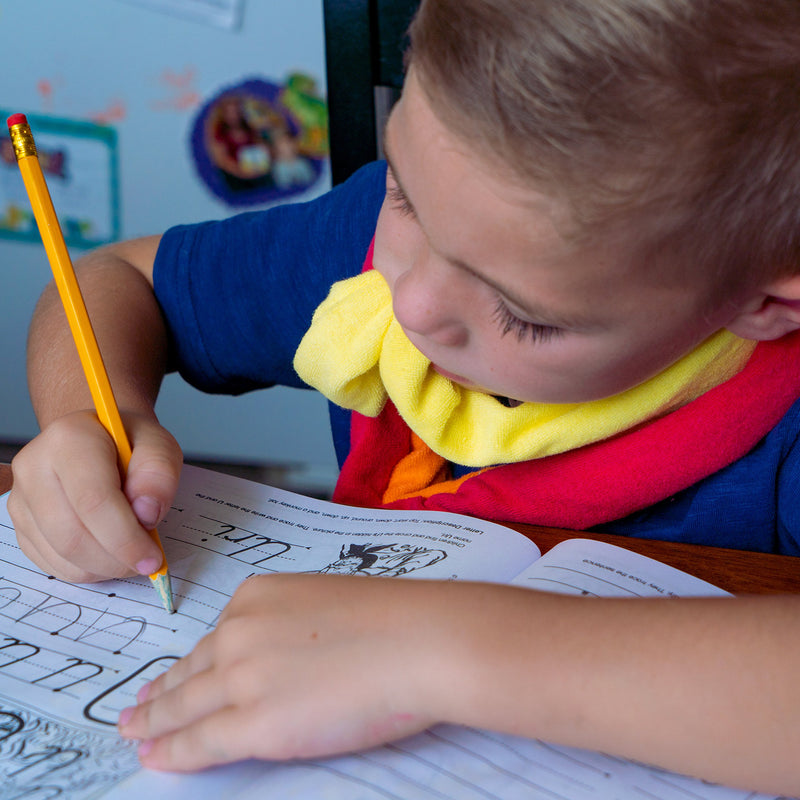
71,657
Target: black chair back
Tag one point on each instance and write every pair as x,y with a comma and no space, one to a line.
364,43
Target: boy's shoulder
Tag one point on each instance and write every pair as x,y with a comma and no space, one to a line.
752,504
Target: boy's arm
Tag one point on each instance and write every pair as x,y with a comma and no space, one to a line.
707,687
68,510
117,285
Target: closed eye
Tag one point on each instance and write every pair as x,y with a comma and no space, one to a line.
399,201
398,198
522,329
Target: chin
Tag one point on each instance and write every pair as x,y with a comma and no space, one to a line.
466,382
452,376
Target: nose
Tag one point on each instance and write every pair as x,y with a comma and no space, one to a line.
426,302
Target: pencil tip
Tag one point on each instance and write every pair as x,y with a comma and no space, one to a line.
164,588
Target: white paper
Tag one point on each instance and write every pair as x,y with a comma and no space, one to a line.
71,657
595,569
219,13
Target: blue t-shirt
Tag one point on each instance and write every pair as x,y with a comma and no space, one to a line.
238,296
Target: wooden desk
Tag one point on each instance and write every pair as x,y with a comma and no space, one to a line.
738,571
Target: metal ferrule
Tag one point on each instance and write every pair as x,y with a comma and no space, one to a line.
22,139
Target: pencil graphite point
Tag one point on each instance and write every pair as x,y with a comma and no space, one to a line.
163,586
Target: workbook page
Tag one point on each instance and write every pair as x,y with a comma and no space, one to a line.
444,763
596,569
218,521
71,657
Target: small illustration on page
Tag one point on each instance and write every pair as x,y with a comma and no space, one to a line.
388,560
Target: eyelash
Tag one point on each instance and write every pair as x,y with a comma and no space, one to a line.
511,323
399,200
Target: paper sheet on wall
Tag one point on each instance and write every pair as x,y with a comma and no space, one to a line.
219,13
71,657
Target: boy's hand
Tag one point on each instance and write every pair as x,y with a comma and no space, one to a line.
71,514
299,666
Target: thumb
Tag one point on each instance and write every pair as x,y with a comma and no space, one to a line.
153,472
148,510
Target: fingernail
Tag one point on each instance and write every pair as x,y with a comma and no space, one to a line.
125,716
145,747
141,695
147,566
147,510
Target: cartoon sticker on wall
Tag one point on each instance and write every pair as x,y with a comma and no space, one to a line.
257,142
79,160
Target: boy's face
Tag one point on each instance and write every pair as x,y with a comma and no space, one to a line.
486,288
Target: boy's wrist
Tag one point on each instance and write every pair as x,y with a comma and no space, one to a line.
492,650
464,651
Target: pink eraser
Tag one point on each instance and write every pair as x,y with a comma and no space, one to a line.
17,119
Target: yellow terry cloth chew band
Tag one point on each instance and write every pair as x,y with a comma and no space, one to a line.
357,355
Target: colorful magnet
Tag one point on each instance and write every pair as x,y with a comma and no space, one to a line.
258,142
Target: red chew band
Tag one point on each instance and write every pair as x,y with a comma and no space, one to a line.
17,119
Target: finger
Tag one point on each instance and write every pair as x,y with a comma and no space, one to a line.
154,471
200,659
69,546
220,738
103,511
190,701
85,561
68,480
86,465
268,729
50,563
71,483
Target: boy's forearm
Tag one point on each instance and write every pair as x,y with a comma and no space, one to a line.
705,687
128,326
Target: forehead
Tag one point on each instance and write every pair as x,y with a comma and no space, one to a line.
476,217
448,182
414,125
475,212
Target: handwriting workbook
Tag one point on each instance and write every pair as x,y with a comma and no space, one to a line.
71,657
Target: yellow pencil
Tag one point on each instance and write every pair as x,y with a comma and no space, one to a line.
79,323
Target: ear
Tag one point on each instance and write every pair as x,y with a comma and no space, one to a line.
771,313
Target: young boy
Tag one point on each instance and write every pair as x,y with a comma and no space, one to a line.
580,308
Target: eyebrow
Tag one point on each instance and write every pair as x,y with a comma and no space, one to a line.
537,314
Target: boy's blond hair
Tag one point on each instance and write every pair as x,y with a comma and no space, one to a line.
674,123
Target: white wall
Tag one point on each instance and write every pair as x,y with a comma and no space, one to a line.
100,54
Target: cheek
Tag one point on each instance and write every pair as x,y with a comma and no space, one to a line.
592,370
397,243
568,370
